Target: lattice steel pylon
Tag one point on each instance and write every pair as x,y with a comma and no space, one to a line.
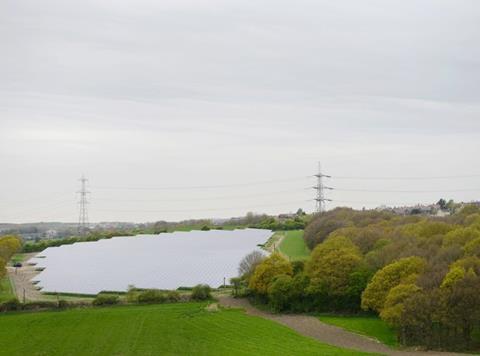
320,188
83,207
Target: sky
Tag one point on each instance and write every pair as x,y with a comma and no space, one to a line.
210,109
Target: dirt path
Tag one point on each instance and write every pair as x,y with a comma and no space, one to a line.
328,334
21,279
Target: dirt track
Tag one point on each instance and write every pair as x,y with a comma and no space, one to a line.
328,334
21,279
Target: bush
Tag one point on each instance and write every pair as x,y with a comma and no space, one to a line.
105,299
38,305
173,296
62,304
132,294
152,296
10,305
201,292
279,292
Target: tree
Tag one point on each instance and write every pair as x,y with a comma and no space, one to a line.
249,263
442,203
461,236
472,248
394,307
405,270
331,265
3,271
463,305
455,274
9,245
279,292
266,272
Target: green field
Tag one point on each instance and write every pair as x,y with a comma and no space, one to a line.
6,292
294,246
370,326
168,329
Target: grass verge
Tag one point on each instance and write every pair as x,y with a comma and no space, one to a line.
370,326
6,291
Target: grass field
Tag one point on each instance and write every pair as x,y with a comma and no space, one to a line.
366,325
294,246
6,292
168,329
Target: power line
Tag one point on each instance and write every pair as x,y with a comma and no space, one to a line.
226,197
405,191
218,186
407,178
202,210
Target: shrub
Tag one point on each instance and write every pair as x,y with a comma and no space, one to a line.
62,304
37,305
279,292
10,305
105,299
201,292
173,296
132,294
152,296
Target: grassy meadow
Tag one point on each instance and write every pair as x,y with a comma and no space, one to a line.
370,326
168,329
294,246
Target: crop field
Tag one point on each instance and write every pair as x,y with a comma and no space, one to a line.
294,246
370,326
180,329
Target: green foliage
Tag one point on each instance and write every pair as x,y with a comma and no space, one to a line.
237,285
267,271
168,329
151,296
405,270
3,271
324,224
11,304
394,307
426,228
331,265
9,245
92,236
201,292
279,292
105,299
472,247
461,236
455,274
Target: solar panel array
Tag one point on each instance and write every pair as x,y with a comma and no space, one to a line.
164,261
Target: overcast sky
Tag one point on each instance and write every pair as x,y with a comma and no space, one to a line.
147,95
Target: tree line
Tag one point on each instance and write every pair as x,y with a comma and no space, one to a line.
419,274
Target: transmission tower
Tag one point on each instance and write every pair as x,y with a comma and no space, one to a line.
320,188
83,202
